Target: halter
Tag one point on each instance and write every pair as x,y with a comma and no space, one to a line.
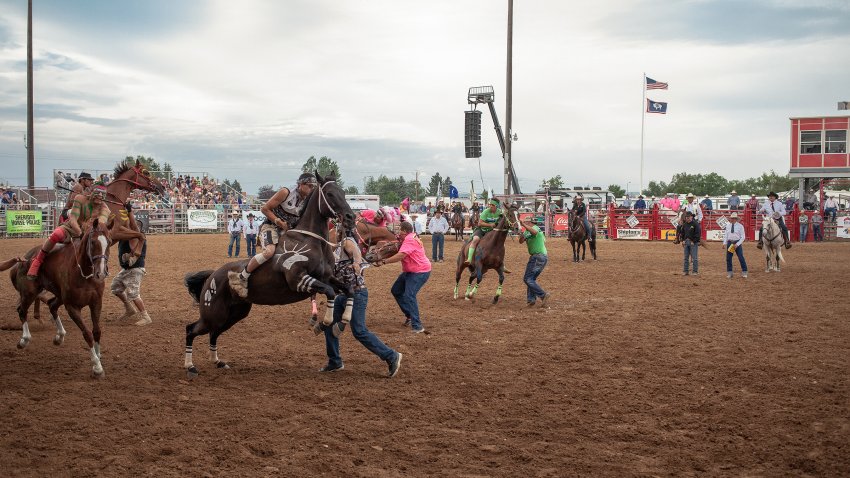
330,208
91,258
507,220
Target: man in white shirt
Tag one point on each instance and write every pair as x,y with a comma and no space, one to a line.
692,207
773,207
438,226
250,229
830,208
234,227
733,238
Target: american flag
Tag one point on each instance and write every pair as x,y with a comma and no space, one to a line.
655,85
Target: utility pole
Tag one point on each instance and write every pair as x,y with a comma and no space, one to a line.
509,98
30,141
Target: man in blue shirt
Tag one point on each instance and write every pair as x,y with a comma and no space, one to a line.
706,203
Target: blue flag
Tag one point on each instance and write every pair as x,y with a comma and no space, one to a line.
659,107
453,194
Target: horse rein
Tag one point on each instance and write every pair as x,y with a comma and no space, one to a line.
330,208
92,259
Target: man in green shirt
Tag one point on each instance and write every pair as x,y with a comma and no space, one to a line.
486,222
537,260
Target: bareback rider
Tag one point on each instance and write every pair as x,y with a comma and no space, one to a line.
774,207
82,212
83,186
580,210
486,222
281,211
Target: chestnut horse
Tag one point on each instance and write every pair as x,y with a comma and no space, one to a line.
489,254
74,274
303,265
369,235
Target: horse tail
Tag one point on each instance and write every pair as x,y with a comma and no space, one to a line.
194,281
11,262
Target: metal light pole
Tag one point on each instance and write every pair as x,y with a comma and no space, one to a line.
30,149
509,99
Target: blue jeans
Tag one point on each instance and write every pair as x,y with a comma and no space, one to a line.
437,240
691,250
236,237
740,252
830,212
816,228
358,330
535,266
404,290
804,231
250,245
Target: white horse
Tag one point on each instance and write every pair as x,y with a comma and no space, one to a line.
771,238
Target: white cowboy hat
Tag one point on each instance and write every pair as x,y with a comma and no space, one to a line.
734,192
734,215
706,195
690,195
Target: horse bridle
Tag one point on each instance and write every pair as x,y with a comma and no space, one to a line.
91,258
332,215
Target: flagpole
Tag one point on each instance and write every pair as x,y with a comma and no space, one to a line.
642,124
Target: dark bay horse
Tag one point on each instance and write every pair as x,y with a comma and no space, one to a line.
302,266
457,225
74,274
579,235
489,254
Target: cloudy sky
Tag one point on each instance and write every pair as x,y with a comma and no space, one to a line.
250,89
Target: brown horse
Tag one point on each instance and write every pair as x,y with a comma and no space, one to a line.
369,235
303,265
127,178
579,235
381,251
457,225
489,254
74,274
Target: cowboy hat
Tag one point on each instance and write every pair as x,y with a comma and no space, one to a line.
734,215
234,213
706,195
773,194
85,175
734,192
690,195
250,214
753,195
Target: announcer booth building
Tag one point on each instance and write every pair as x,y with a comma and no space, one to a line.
819,150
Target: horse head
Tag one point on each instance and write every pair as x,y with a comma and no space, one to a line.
332,203
137,176
95,250
511,215
382,250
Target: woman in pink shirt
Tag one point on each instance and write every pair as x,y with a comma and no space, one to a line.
415,270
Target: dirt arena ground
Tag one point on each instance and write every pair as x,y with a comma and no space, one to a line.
634,370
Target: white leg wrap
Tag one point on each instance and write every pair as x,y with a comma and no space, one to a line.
97,349
349,307
329,314
214,353
187,359
260,258
25,335
96,367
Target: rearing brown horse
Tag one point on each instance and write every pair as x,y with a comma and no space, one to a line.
74,274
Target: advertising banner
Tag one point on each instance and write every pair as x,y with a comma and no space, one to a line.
714,235
633,234
202,218
23,222
842,227
668,234
562,222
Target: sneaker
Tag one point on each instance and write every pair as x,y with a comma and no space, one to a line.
685,273
407,322
545,300
332,368
744,274
729,275
419,330
394,365
696,273
531,303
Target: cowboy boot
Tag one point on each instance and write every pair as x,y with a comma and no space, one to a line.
145,320
129,308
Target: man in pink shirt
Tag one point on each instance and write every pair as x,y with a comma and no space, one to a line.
415,270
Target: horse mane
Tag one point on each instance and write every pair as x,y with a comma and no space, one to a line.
121,168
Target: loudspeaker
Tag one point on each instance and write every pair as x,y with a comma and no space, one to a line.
473,134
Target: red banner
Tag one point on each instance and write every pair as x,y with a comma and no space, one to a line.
562,222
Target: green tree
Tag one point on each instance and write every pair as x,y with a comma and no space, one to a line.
266,192
325,166
616,190
352,190
556,182
391,190
447,183
235,185
434,184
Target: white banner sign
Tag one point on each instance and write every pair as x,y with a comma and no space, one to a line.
202,218
714,235
632,221
722,221
842,227
633,234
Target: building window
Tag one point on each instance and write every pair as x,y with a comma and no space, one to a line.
836,141
810,142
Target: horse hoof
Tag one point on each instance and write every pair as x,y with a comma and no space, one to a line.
98,375
23,343
338,329
317,329
191,372
58,339
496,299
222,365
